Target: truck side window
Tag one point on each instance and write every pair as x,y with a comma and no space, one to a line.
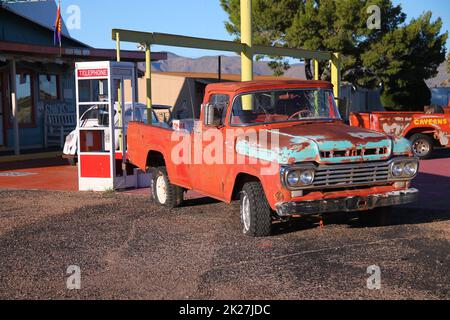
221,101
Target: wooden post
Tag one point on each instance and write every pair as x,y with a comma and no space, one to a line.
336,74
119,98
246,54
118,46
219,68
148,79
247,39
15,108
316,70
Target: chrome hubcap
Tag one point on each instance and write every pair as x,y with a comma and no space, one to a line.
245,212
421,147
161,189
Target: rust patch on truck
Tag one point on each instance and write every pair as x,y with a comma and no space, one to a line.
395,126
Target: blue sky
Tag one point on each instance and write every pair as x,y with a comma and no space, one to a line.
198,18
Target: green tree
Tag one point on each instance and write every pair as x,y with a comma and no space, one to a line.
404,58
271,19
398,56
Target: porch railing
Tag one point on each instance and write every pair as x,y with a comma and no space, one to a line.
59,121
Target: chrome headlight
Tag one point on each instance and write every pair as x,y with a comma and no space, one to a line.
397,170
411,169
404,169
293,178
307,177
298,177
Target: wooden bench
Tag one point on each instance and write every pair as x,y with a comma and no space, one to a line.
59,121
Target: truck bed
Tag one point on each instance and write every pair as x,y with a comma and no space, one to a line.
143,137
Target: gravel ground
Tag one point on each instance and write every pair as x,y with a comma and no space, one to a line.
129,249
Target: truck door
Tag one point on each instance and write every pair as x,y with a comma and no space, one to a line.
208,177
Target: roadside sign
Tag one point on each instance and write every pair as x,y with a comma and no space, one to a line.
93,73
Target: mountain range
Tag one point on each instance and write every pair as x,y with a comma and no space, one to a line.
209,64
442,79
232,65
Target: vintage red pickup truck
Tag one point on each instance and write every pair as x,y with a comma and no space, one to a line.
281,148
425,130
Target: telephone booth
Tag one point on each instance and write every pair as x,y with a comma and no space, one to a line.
102,118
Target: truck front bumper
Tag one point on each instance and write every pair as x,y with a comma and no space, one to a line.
348,204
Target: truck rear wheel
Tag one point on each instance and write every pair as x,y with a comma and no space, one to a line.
256,215
423,145
163,192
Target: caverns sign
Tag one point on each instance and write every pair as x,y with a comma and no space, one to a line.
430,122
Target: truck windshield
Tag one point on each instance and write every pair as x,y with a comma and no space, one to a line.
283,106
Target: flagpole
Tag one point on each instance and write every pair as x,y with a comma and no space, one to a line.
60,35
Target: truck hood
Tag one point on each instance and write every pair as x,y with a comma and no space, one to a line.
324,143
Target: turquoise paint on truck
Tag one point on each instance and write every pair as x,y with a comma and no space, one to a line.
279,155
305,149
244,148
307,154
402,146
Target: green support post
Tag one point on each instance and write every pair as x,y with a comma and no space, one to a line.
148,80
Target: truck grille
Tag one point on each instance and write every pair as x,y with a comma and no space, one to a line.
350,175
358,152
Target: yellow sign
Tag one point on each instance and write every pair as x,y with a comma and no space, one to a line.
431,122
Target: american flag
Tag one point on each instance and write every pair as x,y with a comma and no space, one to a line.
58,26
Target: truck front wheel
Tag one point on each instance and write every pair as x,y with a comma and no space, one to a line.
423,145
163,192
256,215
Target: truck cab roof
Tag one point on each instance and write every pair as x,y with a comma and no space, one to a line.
257,85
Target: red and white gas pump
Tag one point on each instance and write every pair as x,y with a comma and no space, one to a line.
102,155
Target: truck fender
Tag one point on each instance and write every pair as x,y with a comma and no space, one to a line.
155,159
424,130
437,135
241,178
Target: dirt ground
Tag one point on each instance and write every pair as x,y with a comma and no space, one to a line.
129,249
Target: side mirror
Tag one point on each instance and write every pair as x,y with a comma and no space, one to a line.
212,115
